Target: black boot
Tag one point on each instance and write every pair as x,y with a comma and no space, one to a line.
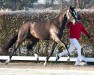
57,57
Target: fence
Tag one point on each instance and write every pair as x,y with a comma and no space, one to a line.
52,59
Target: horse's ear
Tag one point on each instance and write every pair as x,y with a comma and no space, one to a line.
72,8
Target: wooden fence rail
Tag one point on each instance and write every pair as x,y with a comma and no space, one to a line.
32,58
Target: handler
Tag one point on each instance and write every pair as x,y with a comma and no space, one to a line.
75,30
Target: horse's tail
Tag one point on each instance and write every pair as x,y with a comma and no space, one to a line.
7,45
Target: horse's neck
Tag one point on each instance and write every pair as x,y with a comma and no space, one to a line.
64,21
60,16
61,20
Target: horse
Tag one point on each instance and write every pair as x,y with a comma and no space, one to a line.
35,31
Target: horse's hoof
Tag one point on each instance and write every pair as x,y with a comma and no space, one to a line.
45,64
36,56
37,59
68,60
7,62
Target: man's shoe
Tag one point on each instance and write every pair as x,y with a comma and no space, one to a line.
81,63
57,57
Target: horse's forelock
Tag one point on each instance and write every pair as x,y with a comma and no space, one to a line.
71,15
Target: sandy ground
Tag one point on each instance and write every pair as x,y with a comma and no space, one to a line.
37,68
50,65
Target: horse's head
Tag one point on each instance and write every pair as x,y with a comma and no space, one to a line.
72,15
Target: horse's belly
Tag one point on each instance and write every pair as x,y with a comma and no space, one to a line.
39,30
41,35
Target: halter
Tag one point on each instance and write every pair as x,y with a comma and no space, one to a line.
73,14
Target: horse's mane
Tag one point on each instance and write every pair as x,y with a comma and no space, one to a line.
62,11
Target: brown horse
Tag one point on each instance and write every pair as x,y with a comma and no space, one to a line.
35,31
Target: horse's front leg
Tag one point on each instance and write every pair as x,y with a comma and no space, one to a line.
64,45
67,51
47,58
57,40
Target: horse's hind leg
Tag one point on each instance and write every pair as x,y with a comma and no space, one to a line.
47,58
21,37
30,46
10,56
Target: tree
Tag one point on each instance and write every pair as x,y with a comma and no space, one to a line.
83,3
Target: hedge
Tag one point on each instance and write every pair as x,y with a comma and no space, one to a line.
10,23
